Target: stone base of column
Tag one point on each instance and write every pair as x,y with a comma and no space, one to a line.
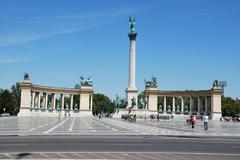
24,112
85,113
130,93
216,115
140,113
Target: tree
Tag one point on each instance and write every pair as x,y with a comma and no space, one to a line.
230,107
6,102
102,104
16,94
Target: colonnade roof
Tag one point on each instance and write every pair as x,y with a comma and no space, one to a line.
60,90
182,93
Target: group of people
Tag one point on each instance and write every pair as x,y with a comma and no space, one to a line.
59,115
192,121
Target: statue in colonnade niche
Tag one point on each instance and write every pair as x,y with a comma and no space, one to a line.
160,109
75,106
86,81
178,108
186,108
151,83
67,106
169,108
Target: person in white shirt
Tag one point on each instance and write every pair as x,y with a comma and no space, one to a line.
205,122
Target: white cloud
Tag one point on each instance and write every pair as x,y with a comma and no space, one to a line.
23,38
92,20
14,60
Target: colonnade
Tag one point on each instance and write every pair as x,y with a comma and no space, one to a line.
184,105
44,101
185,102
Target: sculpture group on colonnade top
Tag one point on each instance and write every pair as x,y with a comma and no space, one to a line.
151,83
26,76
86,81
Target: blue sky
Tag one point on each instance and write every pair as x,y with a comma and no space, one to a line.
186,44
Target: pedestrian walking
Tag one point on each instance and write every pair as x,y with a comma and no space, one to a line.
145,116
193,120
206,122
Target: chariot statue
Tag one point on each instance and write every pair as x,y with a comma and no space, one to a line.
151,83
86,81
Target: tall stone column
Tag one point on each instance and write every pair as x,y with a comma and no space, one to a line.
165,104
182,104
39,100
33,99
46,101
190,104
71,102
173,105
206,102
53,101
199,106
62,101
131,91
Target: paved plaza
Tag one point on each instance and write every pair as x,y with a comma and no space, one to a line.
110,126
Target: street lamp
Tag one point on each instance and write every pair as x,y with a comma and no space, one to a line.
4,109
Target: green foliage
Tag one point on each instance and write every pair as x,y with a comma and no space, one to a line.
10,100
102,104
120,102
230,107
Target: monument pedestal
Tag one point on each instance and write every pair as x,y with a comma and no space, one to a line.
130,94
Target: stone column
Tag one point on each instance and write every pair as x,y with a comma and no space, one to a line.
190,104
91,101
62,101
199,106
173,109
131,91
53,101
165,104
206,104
182,104
71,102
33,99
39,100
132,82
46,101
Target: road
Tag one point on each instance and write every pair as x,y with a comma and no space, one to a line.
118,144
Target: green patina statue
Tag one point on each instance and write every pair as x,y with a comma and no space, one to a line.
26,76
132,23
